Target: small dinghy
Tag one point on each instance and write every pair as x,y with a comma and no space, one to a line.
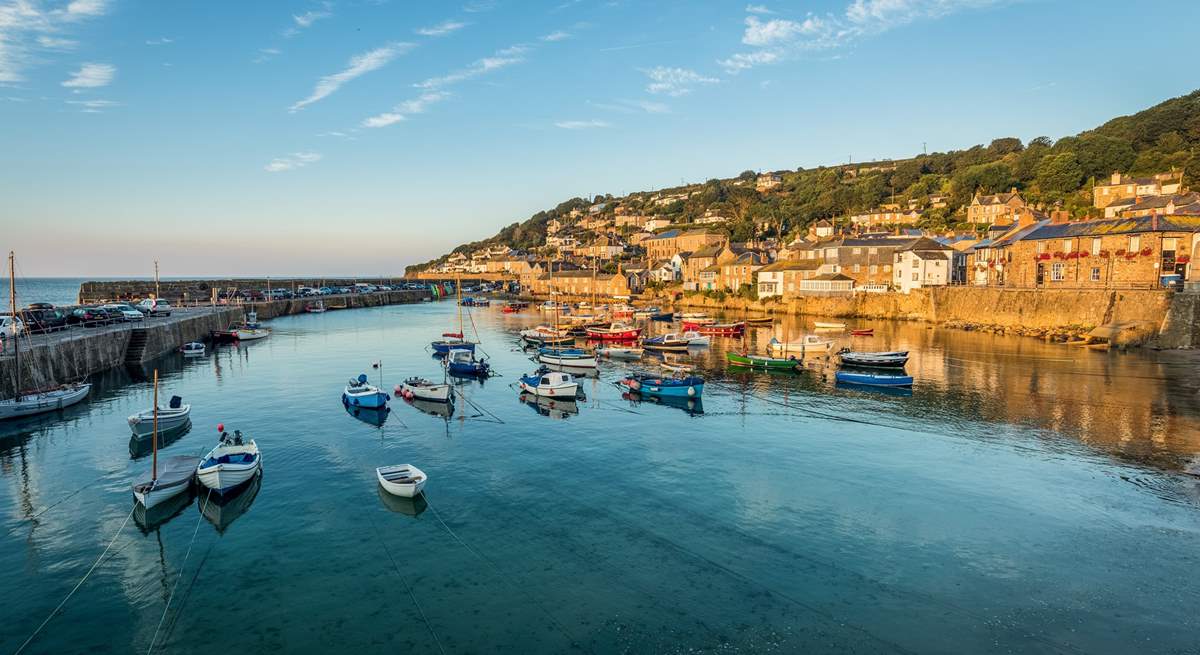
892,359
230,464
452,341
573,357
760,320
666,343
463,363
698,318
192,349
403,480
544,382
619,352
810,344
416,388
870,379
717,329
665,317
763,362
866,332
544,335
167,481
829,325
646,312
251,329
169,418
359,393
315,308
615,332
694,338
40,401
653,385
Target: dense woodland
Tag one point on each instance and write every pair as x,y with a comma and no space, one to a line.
1048,173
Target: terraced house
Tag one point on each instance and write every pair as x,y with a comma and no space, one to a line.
866,260
995,209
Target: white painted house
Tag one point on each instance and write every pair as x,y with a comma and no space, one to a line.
923,263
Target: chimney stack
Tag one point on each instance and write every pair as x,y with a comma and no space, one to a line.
1060,216
1153,220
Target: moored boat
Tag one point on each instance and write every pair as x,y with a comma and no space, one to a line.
169,480
545,382
546,335
359,393
463,362
691,386
451,341
192,349
716,329
422,389
665,317
573,357
666,343
315,307
168,418
621,352
760,320
811,343
829,325
646,312
866,332
615,332
695,338
874,379
699,318
890,359
403,480
231,463
250,329
750,360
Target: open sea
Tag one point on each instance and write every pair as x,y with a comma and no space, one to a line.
1023,498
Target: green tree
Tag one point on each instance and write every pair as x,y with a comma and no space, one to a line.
1059,174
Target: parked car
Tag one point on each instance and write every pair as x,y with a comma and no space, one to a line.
114,314
6,326
128,313
89,317
154,307
324,291
43,317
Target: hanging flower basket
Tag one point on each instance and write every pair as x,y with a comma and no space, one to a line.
1044,256
1058,255
1130,256
991,264
1147,251
1121,253
1072,255
1105,254
1182,259
1084,254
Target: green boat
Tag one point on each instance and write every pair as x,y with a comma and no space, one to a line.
762,362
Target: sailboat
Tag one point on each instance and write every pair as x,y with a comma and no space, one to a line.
454,340
35,401
176,475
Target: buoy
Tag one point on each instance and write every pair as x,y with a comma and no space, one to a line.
691,391
220,427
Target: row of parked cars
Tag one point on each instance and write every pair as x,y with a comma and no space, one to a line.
312,292
41,317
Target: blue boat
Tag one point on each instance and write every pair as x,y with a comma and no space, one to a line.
462,362
665,317
360,394
872,379
454,342
648,384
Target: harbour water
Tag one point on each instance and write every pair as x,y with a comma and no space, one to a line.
1025,497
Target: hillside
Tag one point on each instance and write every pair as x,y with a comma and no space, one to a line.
1048,173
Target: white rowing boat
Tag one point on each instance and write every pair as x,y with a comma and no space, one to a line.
404,480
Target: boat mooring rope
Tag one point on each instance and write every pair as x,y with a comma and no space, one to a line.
63,499
182,566
407,587
78,584
482,411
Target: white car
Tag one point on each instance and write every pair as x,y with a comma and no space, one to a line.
127,313
154,307
6,326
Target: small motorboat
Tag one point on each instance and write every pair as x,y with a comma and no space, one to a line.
750,360
551,306
866,332
810,344
403,480
232,463
250,329
646,312
665,317
653,385
694,338
891,359
28,403
677,367
760,320
666,343
169,418
615,332
514,307
544,382
871,379
422,389
829,325
622,311
451,341
463,362
167,481
192,349
544,335
716,329
359,393
621,352
698,318
315,307
572,357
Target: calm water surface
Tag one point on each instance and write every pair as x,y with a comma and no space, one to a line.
1025,497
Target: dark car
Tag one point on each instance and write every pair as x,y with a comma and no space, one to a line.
89,317
43,319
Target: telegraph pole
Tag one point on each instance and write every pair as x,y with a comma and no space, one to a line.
156,294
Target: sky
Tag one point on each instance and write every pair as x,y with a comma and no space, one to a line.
354,137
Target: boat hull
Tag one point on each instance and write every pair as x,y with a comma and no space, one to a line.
570,361
251,334
438,393
31,404
615,335
403,480
557,391
223,477
142,424
174,479
759,362
444,347
714,329
370,399
667,387
874,379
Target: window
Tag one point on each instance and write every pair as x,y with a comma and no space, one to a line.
1096,246
1066,246
887,268
857,268
1135,243
874,268
1096,273
916,276
831,252
1168,255
857,251
872,251
1057,272
1041,247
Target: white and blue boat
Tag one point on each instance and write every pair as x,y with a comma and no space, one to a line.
359,393
452,341
231,464
874,379
549,384
572,357
691,386
461,361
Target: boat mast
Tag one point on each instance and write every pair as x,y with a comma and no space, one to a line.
458,293
12,302
154,439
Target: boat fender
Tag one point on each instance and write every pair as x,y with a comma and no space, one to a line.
692,391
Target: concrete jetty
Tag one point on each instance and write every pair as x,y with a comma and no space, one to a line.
79,352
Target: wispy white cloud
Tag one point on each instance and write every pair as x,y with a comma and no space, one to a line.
758,9
402,111
669,81
91,76
309,17
634,106
501,59
93,106
479,6
160,41
581,125
56,43
266,54
557,35
292,161
442,29
77,9
357,66
26,27
781,39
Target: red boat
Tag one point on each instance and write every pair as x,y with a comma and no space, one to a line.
869,332
716,329
615,332
514,307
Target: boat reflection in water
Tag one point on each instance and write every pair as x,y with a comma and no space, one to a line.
222,511
874,389
407,506
693,406
376,416
139,447
441,410
149,520
555,408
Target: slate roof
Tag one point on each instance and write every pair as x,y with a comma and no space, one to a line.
1103,227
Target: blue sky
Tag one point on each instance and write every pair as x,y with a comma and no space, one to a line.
355,137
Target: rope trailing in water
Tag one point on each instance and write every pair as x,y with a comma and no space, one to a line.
407,587
477,408
182,566
78,584
63,500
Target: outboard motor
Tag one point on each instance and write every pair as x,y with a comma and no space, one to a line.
176,402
